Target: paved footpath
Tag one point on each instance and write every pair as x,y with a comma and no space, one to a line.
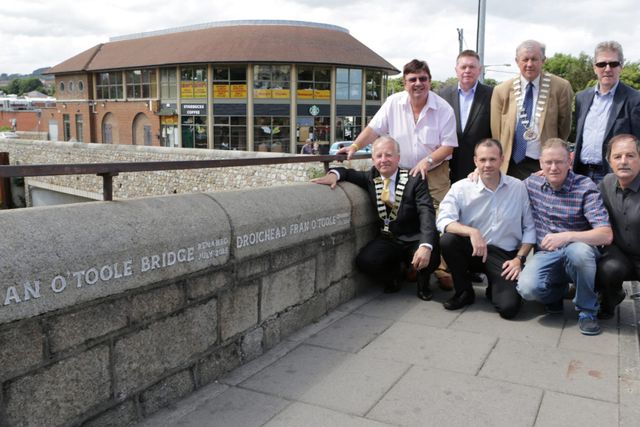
383,360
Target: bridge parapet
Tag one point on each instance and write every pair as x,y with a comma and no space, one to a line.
111,310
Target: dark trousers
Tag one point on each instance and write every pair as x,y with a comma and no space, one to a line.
523,169
457,251
596,173
381,259
614,267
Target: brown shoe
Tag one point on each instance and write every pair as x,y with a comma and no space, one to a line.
445,282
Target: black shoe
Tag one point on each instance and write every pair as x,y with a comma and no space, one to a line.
424,290
554,307
608,308
391,287
476,278
460,300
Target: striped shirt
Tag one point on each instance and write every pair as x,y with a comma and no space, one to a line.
576,206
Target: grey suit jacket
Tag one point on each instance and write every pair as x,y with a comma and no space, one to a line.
624,117
478,127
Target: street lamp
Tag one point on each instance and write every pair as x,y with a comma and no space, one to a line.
485,67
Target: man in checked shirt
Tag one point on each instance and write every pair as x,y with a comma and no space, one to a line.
571,222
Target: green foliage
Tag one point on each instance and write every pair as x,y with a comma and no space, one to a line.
491,82
394,85
20,86
314,172
630,74
578,71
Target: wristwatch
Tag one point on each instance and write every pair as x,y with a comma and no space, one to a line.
430,161
522,259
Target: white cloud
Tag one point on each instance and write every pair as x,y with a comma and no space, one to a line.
46,32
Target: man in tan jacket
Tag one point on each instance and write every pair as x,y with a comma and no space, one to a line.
528,110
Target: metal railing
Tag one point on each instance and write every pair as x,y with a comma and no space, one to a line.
108,170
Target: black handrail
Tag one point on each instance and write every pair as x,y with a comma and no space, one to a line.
108,170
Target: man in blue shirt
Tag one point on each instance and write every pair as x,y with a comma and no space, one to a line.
487,227
608,109
571,222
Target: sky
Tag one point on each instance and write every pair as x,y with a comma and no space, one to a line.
40,33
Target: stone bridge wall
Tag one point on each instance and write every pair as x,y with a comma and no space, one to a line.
133,185
111,310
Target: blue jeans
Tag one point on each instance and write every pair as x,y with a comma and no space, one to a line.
546,275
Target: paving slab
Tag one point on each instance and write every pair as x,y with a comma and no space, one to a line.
568,371
444,398
243,372
301,414
171,415
529,325
604,343
583,412
390,306
336,380
431,347
350,333
234,408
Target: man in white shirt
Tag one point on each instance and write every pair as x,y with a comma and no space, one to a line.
487,227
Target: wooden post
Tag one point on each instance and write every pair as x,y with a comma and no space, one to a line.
5,184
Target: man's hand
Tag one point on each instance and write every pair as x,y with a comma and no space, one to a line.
511,269
348,151
329,179
479,244
421,258
421,168
553,241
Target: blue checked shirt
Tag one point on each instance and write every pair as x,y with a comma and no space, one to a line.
577,206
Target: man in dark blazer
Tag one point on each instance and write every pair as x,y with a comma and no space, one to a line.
406,218
471,103
610,108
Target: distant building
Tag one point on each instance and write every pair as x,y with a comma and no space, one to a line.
238,85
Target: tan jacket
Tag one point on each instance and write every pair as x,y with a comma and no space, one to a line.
555,120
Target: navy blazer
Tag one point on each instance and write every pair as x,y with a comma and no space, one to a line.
624,117
478,127
416,220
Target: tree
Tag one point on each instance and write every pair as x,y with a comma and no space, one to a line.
578,71
630,74
394,85
21,86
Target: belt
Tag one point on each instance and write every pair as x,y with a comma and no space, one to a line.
591,167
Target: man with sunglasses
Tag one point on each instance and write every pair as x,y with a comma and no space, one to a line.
608,109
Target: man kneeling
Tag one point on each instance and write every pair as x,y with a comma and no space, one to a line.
487,227
406,218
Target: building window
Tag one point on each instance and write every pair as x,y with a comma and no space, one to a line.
61,86
70,86
194,132
348,127
109,85
230,82
272,81
314,83
315,128
141,84
271,133
230,133
168,84
66,127
80,85
193,82
349,84
374,85
79,128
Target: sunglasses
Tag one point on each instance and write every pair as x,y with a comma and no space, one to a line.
421,78
603,64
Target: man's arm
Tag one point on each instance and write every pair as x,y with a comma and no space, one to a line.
594,237
448,141
497,107
478,243
366,137
565,101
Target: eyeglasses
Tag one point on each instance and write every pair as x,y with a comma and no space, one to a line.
603,64
421,78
